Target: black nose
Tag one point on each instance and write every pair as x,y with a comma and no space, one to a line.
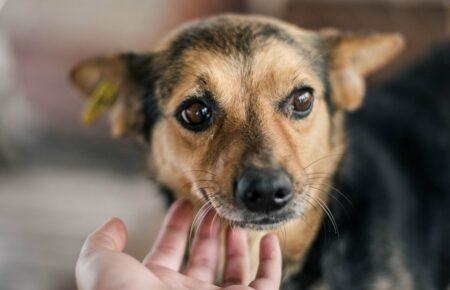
263,190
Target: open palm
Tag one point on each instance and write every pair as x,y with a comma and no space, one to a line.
102,264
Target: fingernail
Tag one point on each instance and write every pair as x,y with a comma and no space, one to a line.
270,238
111,223
114,226
269,245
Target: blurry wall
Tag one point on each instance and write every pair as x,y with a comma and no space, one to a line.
424,23
49,36
60,179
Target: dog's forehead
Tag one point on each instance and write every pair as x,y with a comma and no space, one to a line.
233,35
235,59
228,34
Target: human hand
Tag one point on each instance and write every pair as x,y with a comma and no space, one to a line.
102,265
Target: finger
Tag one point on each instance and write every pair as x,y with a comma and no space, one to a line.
170,245
111,236
102,265
269,270
236,258
202,264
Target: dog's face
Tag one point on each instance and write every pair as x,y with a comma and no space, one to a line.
242,113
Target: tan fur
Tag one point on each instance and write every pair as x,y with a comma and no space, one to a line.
248,88
354,57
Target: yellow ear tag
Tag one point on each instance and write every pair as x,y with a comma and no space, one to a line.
103,97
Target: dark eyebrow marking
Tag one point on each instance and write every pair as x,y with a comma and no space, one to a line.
202,80
223,36
142,70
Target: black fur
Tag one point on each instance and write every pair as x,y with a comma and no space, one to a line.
221,35
143,70
397,175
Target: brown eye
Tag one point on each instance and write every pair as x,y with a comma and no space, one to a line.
196,114
301,103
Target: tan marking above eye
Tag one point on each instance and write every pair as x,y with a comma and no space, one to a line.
196,113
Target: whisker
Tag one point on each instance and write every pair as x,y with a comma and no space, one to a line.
201,188
194,223
327,211
332,196
199,170
199,212
198,180
213,222
334,189
323,158
324,175
201,219
283,229
307,199
319,174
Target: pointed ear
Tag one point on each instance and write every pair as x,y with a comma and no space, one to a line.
352,58
109,83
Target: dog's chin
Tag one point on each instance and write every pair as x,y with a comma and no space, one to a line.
267,222
261,225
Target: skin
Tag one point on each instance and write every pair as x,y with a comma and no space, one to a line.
102,264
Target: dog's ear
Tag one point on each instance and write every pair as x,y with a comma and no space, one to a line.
110,83
353,57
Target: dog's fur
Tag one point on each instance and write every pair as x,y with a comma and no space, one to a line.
396,173
392,189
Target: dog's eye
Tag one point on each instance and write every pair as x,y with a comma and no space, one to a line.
301,102
196,114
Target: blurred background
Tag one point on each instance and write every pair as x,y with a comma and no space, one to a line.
59,179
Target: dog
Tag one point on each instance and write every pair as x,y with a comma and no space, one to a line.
263,122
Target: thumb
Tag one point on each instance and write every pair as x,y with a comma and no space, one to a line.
111,236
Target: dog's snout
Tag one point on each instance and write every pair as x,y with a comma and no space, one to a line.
263,190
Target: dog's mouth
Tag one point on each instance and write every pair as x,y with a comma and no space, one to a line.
261,221
266,222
